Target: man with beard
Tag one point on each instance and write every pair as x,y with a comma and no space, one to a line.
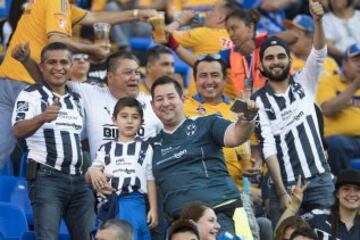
287,126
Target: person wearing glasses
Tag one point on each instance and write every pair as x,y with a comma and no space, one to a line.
80,67
188,161
43,22
123,79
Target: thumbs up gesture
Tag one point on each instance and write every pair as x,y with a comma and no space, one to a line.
316,10
51,112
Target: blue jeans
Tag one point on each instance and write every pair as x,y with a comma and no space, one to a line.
319,194
132,209
341,150
55,195
9,90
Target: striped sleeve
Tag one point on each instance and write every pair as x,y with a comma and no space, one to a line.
24,108
148,162
264,132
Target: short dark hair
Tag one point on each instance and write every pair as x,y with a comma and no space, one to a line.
53,47
348,4
194,210
123,229
304,231
249,17
209,58
153,53
111,61
128,102
180,226
166,80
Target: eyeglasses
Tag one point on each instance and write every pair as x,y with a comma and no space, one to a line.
80,56
214,56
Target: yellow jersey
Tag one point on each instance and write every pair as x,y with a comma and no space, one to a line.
330,66
202,40
144,89
195,106
196,5
40,18
345,122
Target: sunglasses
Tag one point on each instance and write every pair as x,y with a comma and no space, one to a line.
214,56
80,56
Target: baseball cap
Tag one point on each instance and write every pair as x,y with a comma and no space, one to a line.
302,22
352,51
273,41
348,176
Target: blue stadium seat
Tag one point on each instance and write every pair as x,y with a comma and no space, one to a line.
15,190
355,163
31,236
12,221
140,43
8,169
23,164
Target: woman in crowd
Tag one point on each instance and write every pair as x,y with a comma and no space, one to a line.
342,221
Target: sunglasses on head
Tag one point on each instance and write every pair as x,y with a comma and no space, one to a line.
80,56
215,56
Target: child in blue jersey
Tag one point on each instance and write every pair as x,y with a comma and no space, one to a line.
127,161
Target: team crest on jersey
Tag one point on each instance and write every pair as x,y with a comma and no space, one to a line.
22,106
201,110
62,23
190,129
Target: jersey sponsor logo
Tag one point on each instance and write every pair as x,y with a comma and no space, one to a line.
190,129
62,23
167,150
126,170
201,110
111,132
226,43
22,106
20,116
64,6
101,74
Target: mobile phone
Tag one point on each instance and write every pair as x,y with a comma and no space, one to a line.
240,106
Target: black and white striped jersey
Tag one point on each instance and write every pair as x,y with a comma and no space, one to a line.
287,125
129,163
57,143
99,105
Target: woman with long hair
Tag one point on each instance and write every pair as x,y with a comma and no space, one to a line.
342,220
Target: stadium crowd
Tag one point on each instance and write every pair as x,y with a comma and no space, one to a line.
181,119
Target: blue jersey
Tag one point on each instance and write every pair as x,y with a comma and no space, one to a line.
189,165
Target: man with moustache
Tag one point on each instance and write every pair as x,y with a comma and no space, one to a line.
287,125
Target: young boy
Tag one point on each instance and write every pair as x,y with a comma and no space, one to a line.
127,160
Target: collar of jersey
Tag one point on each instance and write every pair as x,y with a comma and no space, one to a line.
199,99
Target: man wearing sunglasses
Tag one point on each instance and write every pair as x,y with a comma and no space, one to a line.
43,22
80,67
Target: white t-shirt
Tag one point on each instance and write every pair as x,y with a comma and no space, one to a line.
99,105
342,32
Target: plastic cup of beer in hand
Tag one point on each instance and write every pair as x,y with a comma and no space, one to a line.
158,24
102,32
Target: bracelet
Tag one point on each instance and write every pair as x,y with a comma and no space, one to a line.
172,43
136,13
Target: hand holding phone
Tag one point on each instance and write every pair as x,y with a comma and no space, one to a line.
241,106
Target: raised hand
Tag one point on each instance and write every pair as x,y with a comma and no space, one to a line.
51,112
21,52
146,14
299,189
316,10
